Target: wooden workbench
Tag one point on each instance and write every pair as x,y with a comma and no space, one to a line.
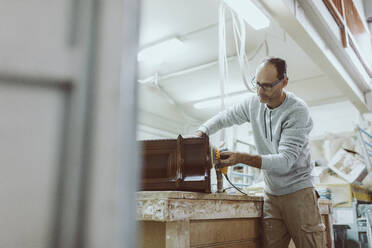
185,219
172,219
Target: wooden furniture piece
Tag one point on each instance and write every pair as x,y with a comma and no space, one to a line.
188,219
176,164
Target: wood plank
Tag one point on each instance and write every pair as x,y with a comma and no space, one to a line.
177,234
224,232
247,244
151,234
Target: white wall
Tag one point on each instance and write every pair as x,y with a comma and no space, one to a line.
334,118
156,110
148,133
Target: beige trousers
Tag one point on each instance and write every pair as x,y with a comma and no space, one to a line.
295,216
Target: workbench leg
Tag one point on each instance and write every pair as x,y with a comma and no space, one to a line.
177,234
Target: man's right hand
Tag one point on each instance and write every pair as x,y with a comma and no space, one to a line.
199,133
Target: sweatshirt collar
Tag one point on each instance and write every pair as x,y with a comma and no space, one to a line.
281,105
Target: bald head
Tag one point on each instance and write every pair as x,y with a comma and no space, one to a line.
279,65
266,73
271,79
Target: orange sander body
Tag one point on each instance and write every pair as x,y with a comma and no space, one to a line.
221,171
216,157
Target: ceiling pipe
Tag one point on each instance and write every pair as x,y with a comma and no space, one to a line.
183,72
184,35
159,78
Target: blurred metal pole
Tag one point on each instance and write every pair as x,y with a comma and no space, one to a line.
129,160
96,201
75,172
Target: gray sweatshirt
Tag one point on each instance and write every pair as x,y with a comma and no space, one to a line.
281,136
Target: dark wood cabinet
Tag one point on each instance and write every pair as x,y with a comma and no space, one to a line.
176,164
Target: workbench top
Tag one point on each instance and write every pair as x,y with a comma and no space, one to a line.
178,205
195,196
189,219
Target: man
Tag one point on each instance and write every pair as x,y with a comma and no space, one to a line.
281,125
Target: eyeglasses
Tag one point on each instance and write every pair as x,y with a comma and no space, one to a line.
265,86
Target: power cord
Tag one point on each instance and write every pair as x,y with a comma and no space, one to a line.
234,185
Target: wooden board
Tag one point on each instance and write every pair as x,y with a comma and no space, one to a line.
225,233
151,234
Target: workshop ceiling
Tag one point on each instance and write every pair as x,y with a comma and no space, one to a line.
195,23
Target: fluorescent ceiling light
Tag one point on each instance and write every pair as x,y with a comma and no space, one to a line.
160,51
230,100
249,12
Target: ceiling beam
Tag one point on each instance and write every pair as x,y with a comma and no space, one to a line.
287,13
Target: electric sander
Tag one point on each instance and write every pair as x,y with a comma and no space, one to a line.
221,171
